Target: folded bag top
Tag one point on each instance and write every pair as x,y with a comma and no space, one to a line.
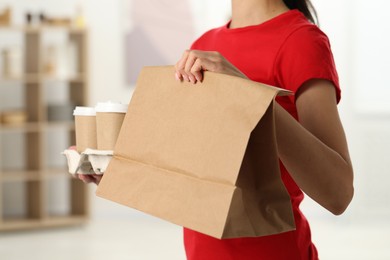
201,156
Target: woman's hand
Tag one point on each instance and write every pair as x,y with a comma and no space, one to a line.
87,178
90,178
193,62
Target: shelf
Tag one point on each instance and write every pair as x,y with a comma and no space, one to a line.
34,78
69,125
51,221
23,127
77,78
39,140
36,127
27,78
26,175
42,28
20,175
56,172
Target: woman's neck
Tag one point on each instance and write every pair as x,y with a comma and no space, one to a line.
253,12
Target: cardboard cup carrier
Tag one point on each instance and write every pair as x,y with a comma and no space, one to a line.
85,123
109,119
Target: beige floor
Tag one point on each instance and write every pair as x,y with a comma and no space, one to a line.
144,238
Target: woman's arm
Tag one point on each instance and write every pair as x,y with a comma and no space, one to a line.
314,150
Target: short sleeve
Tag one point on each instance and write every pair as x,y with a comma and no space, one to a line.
306,54
195,44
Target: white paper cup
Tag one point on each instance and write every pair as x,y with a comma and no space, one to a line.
109,119
85,125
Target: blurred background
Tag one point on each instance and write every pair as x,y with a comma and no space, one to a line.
58,54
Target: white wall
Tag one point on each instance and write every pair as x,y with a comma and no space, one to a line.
104,19
108,21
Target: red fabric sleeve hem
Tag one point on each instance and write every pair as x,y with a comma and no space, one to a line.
334,82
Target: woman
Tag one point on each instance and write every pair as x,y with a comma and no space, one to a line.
275,42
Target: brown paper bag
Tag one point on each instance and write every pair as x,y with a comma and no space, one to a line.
201,156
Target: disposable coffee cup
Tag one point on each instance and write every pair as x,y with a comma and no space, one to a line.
85,124
109,119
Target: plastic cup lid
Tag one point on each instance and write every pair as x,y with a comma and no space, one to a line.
84,111
111,107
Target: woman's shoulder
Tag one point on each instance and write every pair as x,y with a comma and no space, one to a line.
308,38
300,29
307,32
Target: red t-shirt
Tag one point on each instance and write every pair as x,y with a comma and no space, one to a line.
285,52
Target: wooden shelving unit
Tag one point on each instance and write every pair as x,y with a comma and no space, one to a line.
36,177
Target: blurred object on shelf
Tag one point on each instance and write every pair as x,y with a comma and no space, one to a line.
79,20
13,117
50,60
29,18
60,60
60,112
5,17
12,60
42,19
57,21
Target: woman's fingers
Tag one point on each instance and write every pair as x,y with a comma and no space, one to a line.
90,178
85,178
180,66
185,66
191,59
193,63
97,178
197,69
